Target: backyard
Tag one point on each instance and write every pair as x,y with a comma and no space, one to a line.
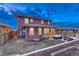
20,46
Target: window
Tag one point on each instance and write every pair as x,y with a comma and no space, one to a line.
42,22
26,21
48,22
31,31
64,30
51,31
31,20
46,30
39,31
20,33
24,30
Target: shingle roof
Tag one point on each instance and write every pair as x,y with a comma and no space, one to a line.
69,28
2,24
32,17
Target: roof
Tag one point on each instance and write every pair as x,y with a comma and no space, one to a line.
69,28
23,16
39,25
2,24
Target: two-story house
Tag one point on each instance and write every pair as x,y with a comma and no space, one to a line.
32,28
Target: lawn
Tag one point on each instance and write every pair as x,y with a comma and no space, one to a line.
21,46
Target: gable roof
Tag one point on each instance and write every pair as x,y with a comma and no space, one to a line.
23,16
69,28
2,24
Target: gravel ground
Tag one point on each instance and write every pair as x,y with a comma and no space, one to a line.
21,46
71,52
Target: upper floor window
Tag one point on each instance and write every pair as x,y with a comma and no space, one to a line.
48,22
31,20
26,21
42,22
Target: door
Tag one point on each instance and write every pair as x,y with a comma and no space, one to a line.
23,33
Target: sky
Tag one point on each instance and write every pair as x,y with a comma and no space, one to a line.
57,12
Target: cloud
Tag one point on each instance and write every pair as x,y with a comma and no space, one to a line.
5,9
8,12
11,9
39,12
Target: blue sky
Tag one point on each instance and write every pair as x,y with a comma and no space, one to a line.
57,12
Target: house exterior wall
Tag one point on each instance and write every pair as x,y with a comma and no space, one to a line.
35,21
27,29
57,31
37,37
1,39
20,22
33,37
38,21
65,33
77,34
4,34
68,33
46,22
4,37
4,29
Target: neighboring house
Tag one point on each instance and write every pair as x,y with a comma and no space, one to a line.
70,32
4,28
32,28
4,33
77,33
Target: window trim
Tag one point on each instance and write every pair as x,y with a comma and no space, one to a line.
39,31
42,22
31,20
46,31
26,20
30,31
48,22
